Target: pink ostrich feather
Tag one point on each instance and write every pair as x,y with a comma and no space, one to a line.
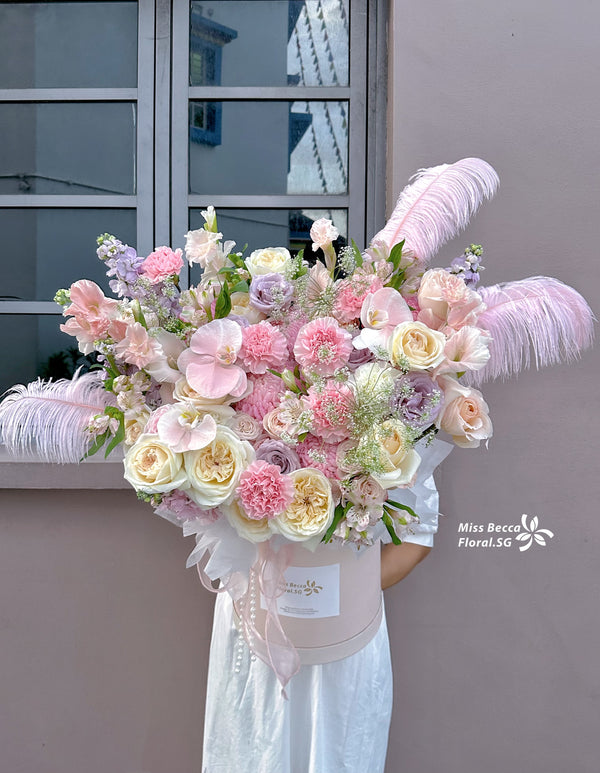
539,313
47,420
438,205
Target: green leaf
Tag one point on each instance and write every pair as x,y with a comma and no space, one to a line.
138,314
97,445
119,437
389,525
398,506
340,512
396,254
358,258
113,412
240,287
223,304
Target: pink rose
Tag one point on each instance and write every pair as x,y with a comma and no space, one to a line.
465,416
162,263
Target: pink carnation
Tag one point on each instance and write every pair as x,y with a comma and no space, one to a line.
263,346
265,396
162,263
313,452
322,346
331,410
351,294
264,491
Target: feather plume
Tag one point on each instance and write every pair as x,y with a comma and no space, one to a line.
438,205
47,420
539,313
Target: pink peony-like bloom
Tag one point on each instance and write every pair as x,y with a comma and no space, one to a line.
209,363
137,348
92,313
263,491
162,263
322,346
178,505
313,452
331,409
351,294
265,396
263,346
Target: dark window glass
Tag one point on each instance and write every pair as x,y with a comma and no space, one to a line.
268,147
47,249
68,45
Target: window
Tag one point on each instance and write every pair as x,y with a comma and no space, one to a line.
131,117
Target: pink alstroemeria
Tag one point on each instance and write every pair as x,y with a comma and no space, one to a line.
380,313
209,363
184,428
91,314
137,348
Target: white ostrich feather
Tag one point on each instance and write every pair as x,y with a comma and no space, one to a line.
438,205
47,420
539,314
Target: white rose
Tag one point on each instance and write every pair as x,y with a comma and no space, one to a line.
272,260
398,459
311,510
417,344
151,466
245,426
252,529
214,471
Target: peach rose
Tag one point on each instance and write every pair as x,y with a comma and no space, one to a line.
466,414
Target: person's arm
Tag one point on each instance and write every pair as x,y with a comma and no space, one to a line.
399,560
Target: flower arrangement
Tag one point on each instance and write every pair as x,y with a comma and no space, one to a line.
295,399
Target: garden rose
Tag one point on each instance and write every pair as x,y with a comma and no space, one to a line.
152,467
417,345
252,529
398,460
311,510
466,414
214,471
272,260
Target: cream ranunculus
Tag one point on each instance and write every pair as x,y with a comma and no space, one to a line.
252,529
214,471
417,345
272,260
398,460
151,466
311,510
465,415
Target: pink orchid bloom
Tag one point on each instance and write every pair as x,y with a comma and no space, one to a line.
209,363
380,313
183,428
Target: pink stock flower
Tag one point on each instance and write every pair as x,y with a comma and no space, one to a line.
162,263
263,491
263,346
208,364
92,313
322,346
331,409
265,396
137,348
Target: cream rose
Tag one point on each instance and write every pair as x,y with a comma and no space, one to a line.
398,459
214,471
246,427
151,466
466,414
252,529
135,425
311,510
272,260
241,306
218,407
415,344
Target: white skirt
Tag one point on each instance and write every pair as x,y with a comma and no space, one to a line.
336,720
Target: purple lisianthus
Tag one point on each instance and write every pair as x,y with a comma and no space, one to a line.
276,452
417,399
360,357
270,291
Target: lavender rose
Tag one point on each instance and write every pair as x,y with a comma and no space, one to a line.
417,399
270,291
278,453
